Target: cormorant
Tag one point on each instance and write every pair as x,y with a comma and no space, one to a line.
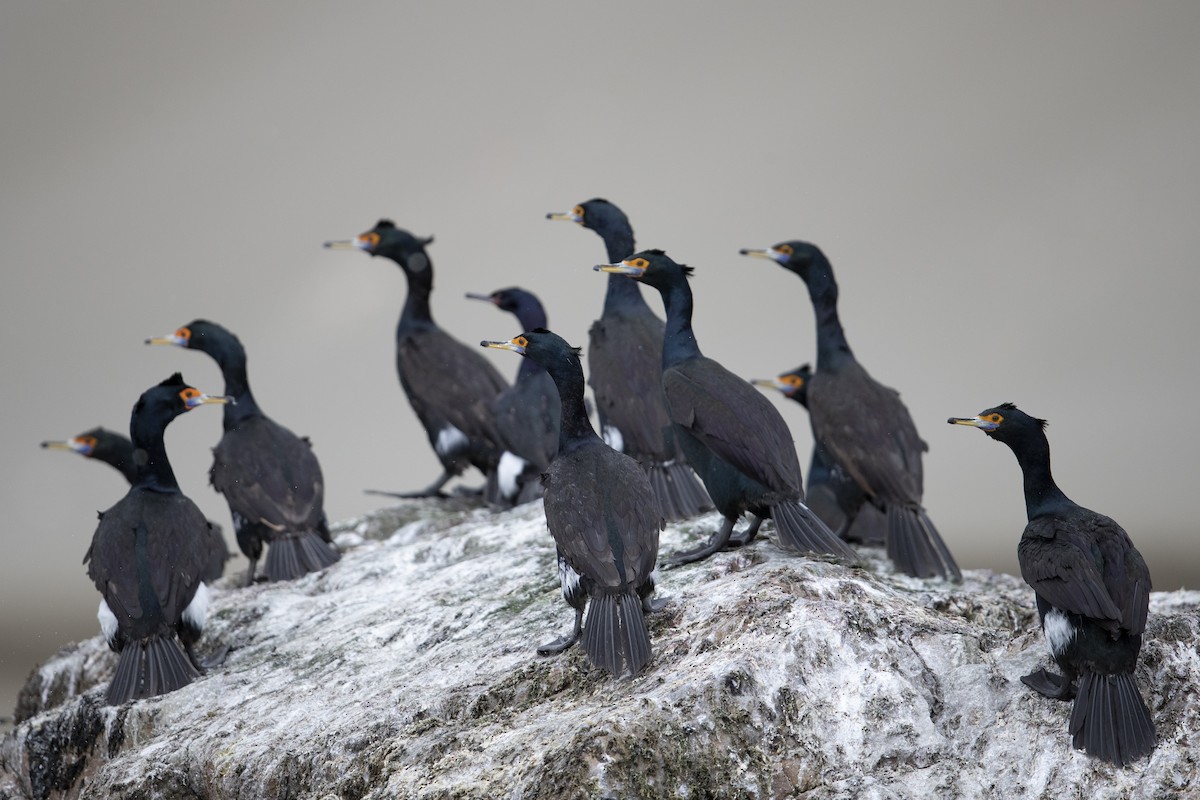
829,488
270,476
450,386
604,518
864,426
625,355
115,450
1092,590
146,559
733,437
527,413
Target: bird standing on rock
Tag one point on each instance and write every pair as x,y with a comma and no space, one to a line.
147,559
269,476
604,518
625,357
1093,592
733,437
864,426
117,451
450,386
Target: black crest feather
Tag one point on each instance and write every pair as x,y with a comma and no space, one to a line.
385,223
174,380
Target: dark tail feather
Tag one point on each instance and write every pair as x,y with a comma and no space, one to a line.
614,633
150,667
1110,721
296,554
800,529
915,546
680,495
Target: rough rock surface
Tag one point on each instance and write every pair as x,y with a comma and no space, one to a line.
408,670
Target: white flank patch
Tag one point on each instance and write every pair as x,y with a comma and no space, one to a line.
613,438
507,471
1058,630
450,439
108,621
569,578
197,611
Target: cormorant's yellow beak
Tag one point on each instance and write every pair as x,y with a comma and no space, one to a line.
203,399
975,422
624,268
516,344
771,254
75,445
567,216
771,383
174,338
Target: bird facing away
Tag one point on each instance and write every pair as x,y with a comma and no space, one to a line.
527,413
451,387
625,372
1092,589
864,426
147,558
116,450
604,518
733,437
269,476
829,488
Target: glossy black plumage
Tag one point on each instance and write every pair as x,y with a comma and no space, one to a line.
828,488
625,370
604,518
269,476
734,438
116,450
451,387
147,559
864,426
1093,591
528,412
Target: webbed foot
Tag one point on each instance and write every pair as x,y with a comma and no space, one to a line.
1056,687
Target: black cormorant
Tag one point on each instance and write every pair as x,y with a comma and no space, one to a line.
1092,590
864,426
270,476
734,437
828,488
527,412
605,520
450,386
116,450
625,371
147,557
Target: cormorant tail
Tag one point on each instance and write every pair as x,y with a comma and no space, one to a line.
802,530
679,492
1110,720
150,667
614,632
296,554
915,546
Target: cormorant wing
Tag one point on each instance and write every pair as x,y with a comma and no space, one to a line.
527,417
625,373
733,420
270,475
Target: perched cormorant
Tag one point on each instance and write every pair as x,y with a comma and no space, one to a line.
115,450
450,386
147,557
829,488
864,426
1092,590
604,518
270,476
733,437
625,357
527,412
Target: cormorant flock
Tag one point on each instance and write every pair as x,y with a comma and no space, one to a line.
679,434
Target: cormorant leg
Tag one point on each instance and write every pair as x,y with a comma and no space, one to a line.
432,490
747,536
203,665
717,542
250,573
1056,687
650,605
560,645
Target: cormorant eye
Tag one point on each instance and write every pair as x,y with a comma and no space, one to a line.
184,333
578,211
786,249
371,238
795,381
995,419
189,394
87,441
521,341
640,263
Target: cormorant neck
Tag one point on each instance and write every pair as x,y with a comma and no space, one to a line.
832,347
528,369
1042,495
679,342
576,429
118,454
232,361
152,469
617,243
416,314
623,294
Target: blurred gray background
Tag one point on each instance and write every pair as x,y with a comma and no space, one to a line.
1008,194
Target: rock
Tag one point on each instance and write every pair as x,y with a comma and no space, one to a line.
408,670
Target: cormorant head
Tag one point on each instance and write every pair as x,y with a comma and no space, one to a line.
540,345
385,239
171,398
1005,423
794,384
597,214
652,267
795,256
207,337
86,444
513,300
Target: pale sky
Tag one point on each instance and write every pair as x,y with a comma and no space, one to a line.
1008,194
